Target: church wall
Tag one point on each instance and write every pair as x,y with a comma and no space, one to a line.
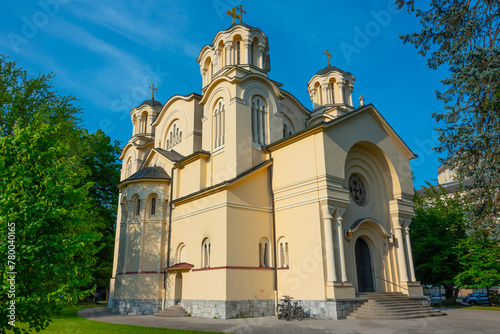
295,163
304,279
188,115
191,177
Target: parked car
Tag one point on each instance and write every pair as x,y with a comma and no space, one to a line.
476,298
437,298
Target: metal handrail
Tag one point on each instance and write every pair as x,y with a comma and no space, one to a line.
402,287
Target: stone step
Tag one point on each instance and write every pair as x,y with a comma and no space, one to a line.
391,306
392,317
385,312
175,311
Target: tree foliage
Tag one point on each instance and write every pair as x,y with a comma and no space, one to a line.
436,230
479,261
100,156
44,193
465,37
58,200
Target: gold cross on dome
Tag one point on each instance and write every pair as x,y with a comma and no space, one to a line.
328,55
153,88
240,9
233,14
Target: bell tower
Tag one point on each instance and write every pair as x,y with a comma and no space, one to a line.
330,90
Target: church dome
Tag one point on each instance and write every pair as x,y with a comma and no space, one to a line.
151,103
329,69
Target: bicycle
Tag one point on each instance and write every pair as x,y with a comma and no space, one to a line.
287,310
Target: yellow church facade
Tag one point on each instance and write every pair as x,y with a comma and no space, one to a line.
235,197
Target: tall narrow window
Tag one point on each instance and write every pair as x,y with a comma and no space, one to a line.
283,253
129,168
219,124
285,130
332,92
174,136
153,206
145,130
137,206
238,52
205,248
259,120
264,253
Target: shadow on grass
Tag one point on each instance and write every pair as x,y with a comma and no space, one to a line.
67,321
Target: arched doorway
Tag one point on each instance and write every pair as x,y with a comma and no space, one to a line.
178,289
364,266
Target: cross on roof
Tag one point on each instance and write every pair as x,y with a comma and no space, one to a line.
240,9
153,88
233,14
328,55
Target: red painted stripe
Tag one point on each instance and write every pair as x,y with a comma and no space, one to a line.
234,267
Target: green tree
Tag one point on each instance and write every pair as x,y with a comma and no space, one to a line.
58,188
43,202
479,261
100,156
465,37
436,231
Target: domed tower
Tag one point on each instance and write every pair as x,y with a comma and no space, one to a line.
330,90
241,45
143,116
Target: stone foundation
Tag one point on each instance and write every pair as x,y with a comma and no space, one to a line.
334,309
229,309
135,306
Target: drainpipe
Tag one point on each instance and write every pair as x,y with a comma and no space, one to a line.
275,271
170,206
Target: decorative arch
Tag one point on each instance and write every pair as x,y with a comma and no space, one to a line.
264,252
181,253
205,253
258,89
219,92
369,221
176,114
174,134
219,123
237,49
153,204
260,120
369,160
283,257
136,206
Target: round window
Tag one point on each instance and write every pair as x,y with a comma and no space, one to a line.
357,190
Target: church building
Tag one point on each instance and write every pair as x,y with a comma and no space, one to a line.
234,197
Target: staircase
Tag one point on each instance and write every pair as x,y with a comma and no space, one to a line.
391,306
173,311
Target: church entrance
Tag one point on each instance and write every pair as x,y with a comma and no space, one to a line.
364,266
178,289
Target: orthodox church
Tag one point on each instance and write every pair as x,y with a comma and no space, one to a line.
235,197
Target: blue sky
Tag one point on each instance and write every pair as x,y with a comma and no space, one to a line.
107,53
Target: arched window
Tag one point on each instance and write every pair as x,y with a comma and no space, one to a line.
237,52
264,253
137,206
153,206
283,253
219,124
205,256
180,256
129,168
332,92
259,120
145,123
174,136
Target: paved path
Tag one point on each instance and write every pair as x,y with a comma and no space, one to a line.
457,321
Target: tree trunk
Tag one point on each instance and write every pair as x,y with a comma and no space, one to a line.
451,292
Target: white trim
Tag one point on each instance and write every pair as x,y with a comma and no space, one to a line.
222,205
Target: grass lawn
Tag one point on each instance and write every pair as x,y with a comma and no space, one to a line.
469,307
69,322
